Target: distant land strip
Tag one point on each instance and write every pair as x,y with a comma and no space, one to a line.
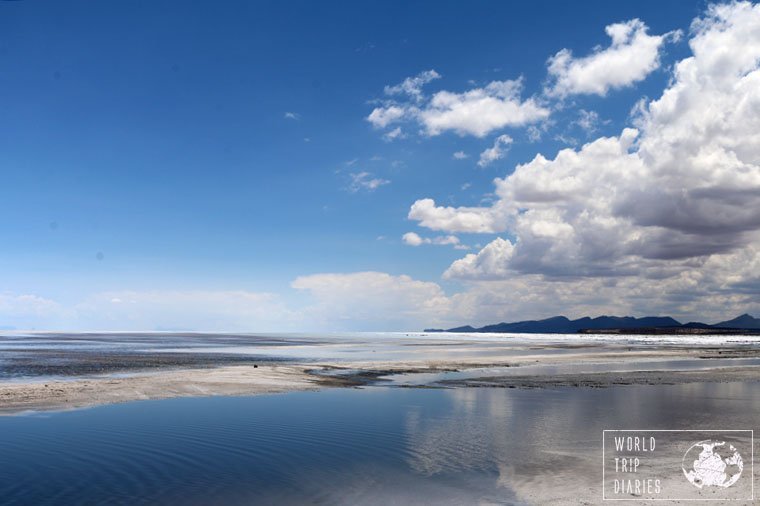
659,325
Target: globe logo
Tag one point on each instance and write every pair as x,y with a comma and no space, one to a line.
710,464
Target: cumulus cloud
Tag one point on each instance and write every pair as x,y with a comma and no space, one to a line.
480,111
414,239
488,263
691,293
476,112
382,301
458,219
659,219
292,115
671,206
372,300
460,155
412,86
496,152
351,301
381,117
365,181
632,55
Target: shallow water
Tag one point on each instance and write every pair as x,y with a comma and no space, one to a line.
375,445
50,355
436,378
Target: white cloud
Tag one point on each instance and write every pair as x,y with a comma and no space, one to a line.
534,133
496,152
661,219
460,155
372,300
412,86
566,139
588,121
665,215
394,134
490,262
235,310
381,117
381,301
292,115
632,55
364,181
477,111
480,111
413,239
28,311
457,219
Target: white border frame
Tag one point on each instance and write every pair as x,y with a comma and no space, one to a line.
752,462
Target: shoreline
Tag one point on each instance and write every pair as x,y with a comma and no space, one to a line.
243,380
612,379
61,395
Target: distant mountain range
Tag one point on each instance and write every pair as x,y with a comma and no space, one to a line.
614,324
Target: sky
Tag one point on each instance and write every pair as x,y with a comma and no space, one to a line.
378,165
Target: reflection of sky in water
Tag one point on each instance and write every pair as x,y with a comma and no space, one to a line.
373,445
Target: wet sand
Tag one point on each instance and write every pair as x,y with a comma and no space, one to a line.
609,379
90,391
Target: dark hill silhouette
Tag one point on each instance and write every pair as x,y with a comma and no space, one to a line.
563,325
744,321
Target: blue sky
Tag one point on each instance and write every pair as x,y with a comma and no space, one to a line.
162,149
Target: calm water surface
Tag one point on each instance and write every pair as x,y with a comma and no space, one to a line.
374,445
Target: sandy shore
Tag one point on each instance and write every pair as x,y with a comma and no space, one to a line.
89,391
